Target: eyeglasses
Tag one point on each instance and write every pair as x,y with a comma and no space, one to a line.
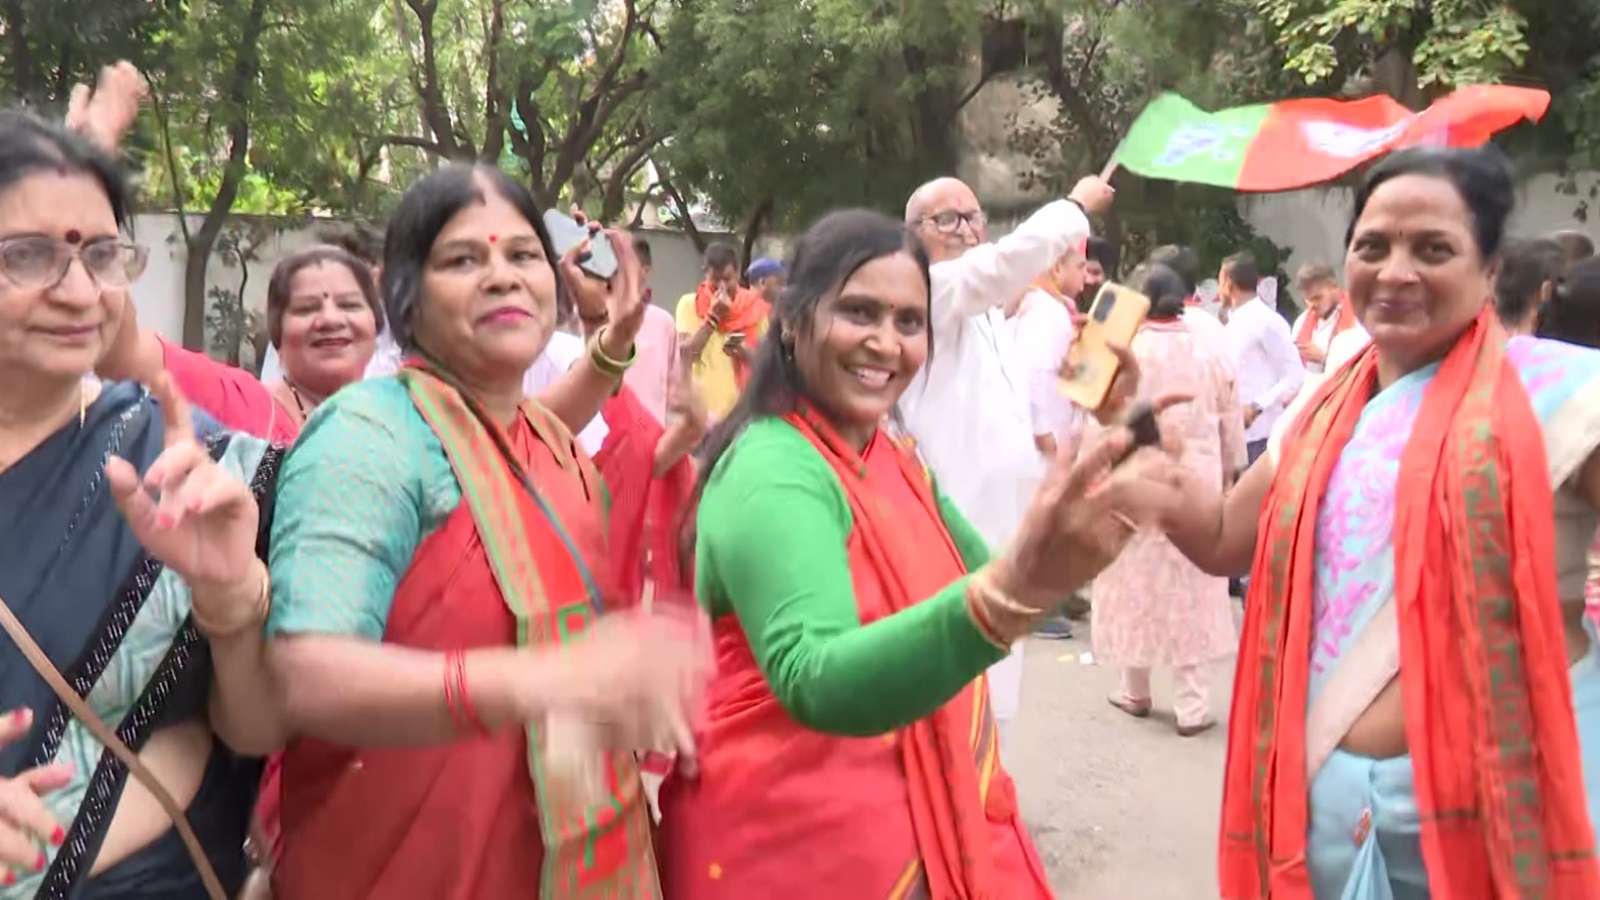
35,261
949,221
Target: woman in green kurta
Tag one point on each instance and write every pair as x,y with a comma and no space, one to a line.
849,745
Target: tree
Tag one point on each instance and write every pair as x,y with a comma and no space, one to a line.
779,112
50,45
556,90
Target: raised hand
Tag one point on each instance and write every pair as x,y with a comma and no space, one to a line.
197,519
25,822
619,299
105,113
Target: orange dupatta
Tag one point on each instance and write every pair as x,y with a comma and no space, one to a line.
1488,700
951,758
747,310
1309,323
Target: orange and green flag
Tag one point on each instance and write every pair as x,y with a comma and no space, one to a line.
1298,143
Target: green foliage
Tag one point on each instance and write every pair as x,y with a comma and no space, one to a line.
808,106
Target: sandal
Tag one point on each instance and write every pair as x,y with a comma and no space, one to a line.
1139,709
1201,727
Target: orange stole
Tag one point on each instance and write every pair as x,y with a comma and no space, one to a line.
1308,324
1488,700
923,812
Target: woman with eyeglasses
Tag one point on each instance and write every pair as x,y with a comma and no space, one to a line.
128,556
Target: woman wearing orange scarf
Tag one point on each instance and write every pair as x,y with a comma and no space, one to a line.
1413,655
849,748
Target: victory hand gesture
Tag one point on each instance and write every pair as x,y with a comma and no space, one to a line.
197,519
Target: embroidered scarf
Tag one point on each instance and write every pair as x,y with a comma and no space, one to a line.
1488,700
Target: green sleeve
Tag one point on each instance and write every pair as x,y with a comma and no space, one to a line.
350,514
772,533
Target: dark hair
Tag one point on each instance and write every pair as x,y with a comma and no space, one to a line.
361,241
825,257
720,256
1525,268
426,207
29,144
641,249
1181,260
281,287
1103,252
1481,176
1242,271
1573,313
1575,244
1166,290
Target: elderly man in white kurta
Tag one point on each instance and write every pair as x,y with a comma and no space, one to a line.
968,407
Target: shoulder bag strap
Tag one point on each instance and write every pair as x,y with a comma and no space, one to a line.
102,733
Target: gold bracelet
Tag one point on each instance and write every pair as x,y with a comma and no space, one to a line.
262,605
1009,618
616,368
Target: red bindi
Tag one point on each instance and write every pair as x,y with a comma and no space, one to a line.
494,238
72,236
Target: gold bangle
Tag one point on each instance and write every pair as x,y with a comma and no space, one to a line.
1009,618
980,619
213,631
616,368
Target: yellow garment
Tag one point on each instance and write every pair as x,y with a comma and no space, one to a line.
713,371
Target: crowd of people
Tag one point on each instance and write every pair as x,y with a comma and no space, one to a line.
412,613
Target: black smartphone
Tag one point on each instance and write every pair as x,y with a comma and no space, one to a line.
566,233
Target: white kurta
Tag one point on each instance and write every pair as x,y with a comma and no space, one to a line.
968,407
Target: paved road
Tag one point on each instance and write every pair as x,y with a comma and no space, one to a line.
1122,809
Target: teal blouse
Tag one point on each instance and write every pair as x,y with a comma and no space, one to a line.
771,549
366,482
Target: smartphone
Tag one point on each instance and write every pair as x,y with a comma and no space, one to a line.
566,233
1090,366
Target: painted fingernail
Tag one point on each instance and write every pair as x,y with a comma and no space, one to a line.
9,879
38,864
58,837
165,520
21,716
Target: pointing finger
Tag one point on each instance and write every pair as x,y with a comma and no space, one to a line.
176,416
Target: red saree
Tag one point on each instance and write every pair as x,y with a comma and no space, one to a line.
781,810
645,509
466,820
1488,699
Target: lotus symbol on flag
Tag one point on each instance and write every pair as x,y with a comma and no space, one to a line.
1349,141
1193,139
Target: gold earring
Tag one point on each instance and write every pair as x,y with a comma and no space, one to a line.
83,404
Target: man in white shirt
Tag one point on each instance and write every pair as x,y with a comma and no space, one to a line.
1270,373
1042,330
968,407
1327,314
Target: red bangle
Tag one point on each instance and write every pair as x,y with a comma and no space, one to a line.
455,691
980,618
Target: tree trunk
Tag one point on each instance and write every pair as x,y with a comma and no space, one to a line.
753,227
241,88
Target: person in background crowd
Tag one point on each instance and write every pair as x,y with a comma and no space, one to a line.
1327,314
1417,701
437,578
1267,363
1572,314
1578,246
967,409
1152,606
1042,328
1101,261
1529,272
718,326
1185,263
850,751
766,277
364,243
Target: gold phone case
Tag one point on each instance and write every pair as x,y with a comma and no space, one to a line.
1090,366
